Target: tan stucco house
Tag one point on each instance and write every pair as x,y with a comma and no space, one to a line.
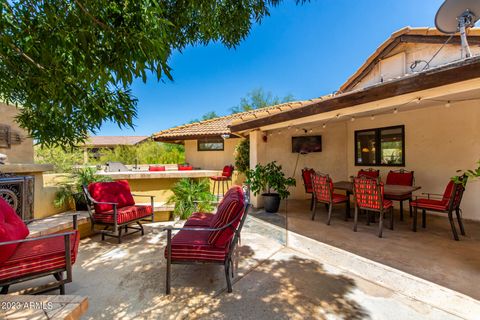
414,95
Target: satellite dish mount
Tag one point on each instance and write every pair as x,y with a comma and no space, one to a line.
457,16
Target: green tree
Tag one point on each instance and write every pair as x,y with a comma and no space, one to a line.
207,116
70,63
63,160
258,98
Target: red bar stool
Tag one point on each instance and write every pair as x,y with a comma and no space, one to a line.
223,180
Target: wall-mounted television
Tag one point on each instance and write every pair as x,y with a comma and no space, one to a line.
307,144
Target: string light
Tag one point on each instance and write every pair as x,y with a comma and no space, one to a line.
352,119
395,111
447,104
418,100
337,116
324,125
310,131
372,117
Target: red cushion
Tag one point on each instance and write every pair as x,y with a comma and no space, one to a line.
367,173
400,178
230,209
11,228
115,191
448,190
199,219
39,256
227,171
307,179
430,204
124,214
194,246
339,198
183,168
156,168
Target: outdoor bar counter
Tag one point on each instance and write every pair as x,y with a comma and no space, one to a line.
169,174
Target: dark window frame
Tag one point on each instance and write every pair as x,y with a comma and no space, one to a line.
210,140
378,151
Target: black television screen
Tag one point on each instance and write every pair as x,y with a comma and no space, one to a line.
306,144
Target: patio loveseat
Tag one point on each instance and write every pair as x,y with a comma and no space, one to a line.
209,238
111,204
23,259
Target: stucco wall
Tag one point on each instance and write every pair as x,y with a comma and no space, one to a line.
438,141
211,160
17,153
332,159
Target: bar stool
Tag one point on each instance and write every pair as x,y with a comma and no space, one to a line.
223,180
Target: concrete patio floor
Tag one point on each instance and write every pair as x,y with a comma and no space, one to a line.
126,281
429,253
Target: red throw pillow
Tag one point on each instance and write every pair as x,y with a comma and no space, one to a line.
115,191
11,228
156,168
230,209
227,171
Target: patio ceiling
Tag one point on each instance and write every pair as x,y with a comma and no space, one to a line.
460,80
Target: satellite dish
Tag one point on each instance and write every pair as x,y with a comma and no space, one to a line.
456,16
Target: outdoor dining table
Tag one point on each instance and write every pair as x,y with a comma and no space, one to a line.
388,189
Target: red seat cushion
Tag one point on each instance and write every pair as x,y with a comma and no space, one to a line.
183,167
430,204
339,198
11,228
156,168
115,191
230,209
124,214
194,246
369,173
400,178
220,178
39,256
307,179
448,191
199,219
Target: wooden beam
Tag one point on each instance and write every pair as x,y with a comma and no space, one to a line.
457,72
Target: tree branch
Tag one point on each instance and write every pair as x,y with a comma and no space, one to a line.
100,23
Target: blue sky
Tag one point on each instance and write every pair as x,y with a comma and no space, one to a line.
306,51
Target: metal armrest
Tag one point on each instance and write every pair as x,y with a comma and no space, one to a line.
48,236
143,195
433,195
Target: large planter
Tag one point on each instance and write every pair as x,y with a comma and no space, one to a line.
80,203
271,202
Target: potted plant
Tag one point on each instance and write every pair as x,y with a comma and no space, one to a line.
70,195
271,182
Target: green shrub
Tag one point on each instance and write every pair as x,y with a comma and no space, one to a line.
242,156
269,177
186,192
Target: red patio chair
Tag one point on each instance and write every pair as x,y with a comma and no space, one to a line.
23,259
307,183
323,193
401,178
111,205
368,195
445,203
369,173
223,179
209,242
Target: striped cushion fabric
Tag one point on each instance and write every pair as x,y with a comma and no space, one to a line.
193,246
430,204
338,198
230,209
125,214
39,256
199,219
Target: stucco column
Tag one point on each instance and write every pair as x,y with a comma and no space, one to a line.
257,155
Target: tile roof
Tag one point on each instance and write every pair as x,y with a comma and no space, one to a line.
106,141
218,126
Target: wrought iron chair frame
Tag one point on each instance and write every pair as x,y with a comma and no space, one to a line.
328,204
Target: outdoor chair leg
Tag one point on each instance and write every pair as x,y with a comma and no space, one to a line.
355,219
410,207
368,217
141,227
314,209
4,289
311,202
414,222
227,275
452,224
169,262
391,218
330,206
401,210
59,277
380,224
347,210
424,218
460,222
119,235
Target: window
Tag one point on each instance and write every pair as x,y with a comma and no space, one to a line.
380,147
210,144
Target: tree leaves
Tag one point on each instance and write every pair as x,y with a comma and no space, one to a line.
69,64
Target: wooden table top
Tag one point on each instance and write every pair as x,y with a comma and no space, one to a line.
389,189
